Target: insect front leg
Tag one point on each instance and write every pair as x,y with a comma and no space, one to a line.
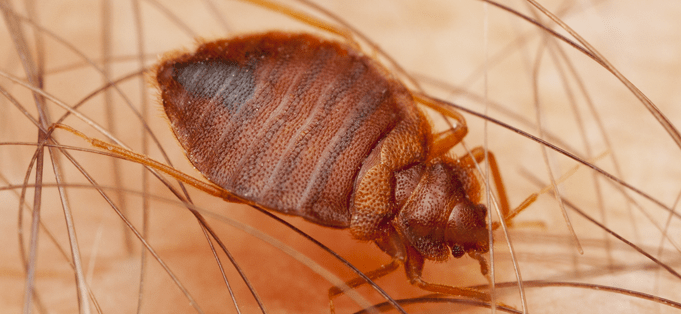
476,156
414,269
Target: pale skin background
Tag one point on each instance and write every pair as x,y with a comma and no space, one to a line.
442,40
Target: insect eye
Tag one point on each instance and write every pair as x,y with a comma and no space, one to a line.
457,251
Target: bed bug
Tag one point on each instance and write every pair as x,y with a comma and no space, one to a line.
549,261
314,128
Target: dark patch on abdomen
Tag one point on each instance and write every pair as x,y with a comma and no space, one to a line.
216,80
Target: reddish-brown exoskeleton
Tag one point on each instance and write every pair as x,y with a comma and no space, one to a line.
314,128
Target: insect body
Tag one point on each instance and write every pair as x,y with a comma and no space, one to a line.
313,128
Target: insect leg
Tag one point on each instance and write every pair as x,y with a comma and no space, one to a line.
414,269
413,266
477,155
445,140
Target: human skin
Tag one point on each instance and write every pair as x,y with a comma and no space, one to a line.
440,41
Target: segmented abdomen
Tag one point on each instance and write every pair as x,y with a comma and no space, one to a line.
285,121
